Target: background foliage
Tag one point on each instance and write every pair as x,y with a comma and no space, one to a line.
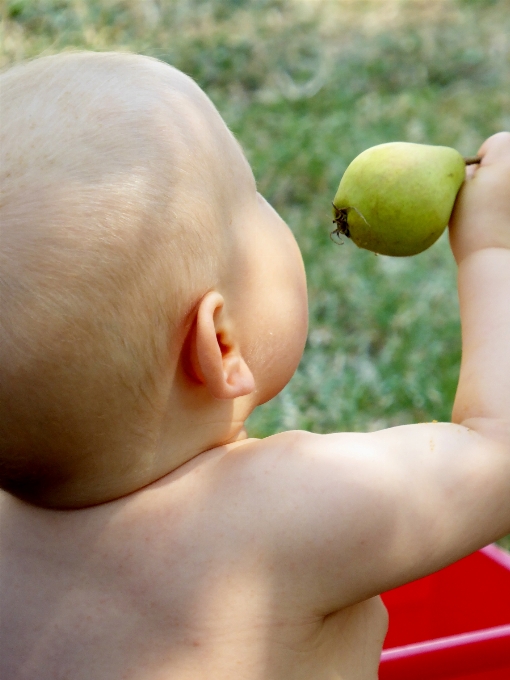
306,85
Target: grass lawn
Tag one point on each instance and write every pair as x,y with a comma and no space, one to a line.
306,85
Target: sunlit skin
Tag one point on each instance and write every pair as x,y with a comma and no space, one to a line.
219,557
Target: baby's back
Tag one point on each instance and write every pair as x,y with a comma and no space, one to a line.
175,582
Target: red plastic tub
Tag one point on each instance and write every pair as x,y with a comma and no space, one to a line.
453,624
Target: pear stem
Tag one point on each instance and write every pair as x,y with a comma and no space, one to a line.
472,160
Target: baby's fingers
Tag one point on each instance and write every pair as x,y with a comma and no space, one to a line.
481,218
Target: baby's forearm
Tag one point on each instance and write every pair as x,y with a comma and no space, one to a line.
484,294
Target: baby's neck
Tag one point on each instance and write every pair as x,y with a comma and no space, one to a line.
193,423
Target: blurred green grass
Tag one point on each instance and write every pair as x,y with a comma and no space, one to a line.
306,85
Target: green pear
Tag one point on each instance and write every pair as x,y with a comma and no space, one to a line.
397,198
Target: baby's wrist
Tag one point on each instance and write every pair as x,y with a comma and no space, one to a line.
466,243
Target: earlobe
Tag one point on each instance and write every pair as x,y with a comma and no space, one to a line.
214,354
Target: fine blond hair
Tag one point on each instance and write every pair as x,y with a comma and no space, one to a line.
106,243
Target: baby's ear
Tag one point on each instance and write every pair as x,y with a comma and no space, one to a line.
214,354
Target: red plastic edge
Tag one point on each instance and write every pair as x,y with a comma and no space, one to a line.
450,657
497,554
450,642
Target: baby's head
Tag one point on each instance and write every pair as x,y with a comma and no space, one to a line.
150,298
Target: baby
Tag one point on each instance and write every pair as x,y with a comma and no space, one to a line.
150,300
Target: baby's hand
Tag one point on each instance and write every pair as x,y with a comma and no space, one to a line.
481,218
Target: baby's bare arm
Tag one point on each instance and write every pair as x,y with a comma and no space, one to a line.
480,238
347,516
369,512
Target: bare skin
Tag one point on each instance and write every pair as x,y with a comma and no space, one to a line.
262,559
181,581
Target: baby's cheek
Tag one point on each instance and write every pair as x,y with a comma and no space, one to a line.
286,347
